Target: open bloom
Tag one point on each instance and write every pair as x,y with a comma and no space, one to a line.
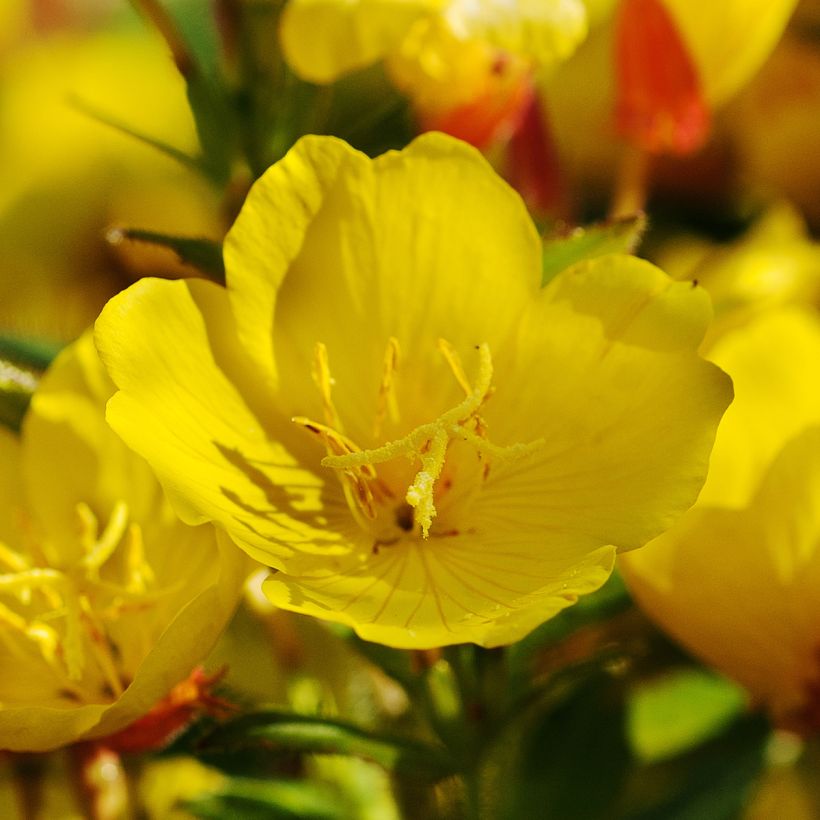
736,580
465,65
386,407
107,601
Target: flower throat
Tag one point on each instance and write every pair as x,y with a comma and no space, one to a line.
427,444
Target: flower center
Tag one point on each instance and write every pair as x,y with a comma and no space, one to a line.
427,444
65,611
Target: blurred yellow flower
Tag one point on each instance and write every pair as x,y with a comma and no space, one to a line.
107,601
736,580
387,408
444,54
66,178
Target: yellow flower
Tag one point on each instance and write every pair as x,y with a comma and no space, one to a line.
736,580
386,408
67,178
444,54
107,600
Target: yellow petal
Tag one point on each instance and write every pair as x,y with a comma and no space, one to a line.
323,39
730,40
770,361
72,456
738,587
169,347
608,373
484,589
353,270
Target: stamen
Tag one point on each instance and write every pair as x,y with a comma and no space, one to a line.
140,574
107,544
12,559
454,360
324,381
356,481
54,581
100,648
387,396
39,633
89,527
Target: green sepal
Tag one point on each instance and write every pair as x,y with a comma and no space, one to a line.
22,362
268,800
205,255
564,251
270,734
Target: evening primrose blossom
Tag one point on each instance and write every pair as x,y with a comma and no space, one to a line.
386,408
107,601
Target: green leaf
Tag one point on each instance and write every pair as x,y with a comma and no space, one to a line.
203,254
619,236
670,714
268,800
269,734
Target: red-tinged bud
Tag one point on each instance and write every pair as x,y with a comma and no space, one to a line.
493,115
172,714
660,104
533,166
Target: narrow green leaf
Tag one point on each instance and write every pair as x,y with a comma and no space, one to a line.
619,236
268,800
271,733
203,254
102,117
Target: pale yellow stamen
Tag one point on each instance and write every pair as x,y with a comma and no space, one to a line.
12,560
54,581
139,572
454,360
39,633
320,372
110,539
100,648
387,405
65,595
